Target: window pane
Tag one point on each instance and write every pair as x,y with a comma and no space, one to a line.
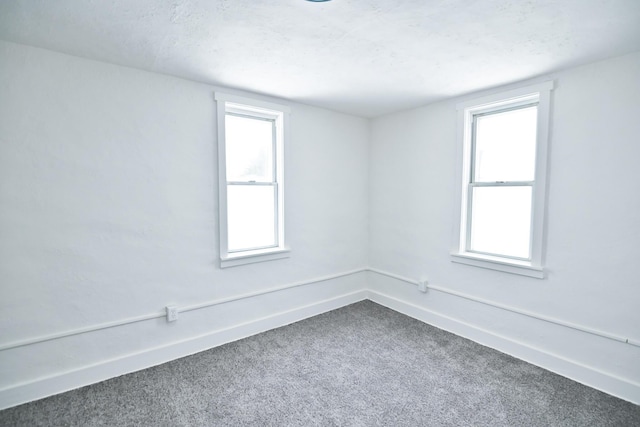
501,220
505,146
249,146
250,216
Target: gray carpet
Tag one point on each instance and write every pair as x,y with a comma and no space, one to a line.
361,365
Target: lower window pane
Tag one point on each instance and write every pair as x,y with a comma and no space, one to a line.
501,220
250,216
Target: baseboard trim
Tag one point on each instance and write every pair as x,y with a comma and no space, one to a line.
65,381
181,309
86,375
572,369
512,309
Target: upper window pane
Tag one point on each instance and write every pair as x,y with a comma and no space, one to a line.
505,145
249,148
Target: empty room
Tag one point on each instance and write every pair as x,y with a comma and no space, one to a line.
307,212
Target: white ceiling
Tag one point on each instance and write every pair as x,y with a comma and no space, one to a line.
364,57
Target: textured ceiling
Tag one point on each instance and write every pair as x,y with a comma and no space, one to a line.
365,57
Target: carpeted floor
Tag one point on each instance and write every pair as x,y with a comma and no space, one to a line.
361,365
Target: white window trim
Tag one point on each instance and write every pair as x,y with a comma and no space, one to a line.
465,111
261,109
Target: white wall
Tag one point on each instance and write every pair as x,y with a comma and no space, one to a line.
108,211
593,229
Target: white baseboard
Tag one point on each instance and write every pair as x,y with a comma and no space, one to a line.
65,381
587,375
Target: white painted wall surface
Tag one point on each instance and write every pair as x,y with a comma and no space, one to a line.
108,210
593,225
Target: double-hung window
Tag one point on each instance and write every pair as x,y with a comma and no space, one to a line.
251,188
504,150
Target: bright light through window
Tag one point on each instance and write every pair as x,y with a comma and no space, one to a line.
251,189
250,145
251,217
501,221
505,146
504,152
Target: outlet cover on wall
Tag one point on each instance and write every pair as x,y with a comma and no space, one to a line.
172,313
422,286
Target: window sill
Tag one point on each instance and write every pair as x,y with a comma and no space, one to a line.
250,257
522,268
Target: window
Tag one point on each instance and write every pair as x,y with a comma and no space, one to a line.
251,191
503,162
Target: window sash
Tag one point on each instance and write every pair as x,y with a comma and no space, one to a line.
469,218
274,149
474,131
276,217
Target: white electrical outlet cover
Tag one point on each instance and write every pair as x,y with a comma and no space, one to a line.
172,313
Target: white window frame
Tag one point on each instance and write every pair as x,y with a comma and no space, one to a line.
262,110
532,267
